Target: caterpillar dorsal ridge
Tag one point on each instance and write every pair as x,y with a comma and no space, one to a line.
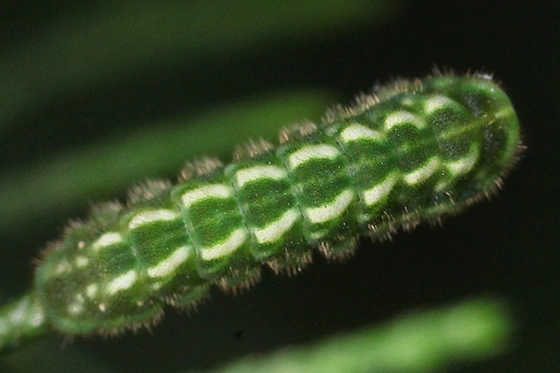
412,151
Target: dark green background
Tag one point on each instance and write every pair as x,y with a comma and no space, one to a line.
508,248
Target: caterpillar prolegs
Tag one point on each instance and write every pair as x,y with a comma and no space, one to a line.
413,151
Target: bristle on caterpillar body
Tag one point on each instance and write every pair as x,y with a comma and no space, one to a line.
414,151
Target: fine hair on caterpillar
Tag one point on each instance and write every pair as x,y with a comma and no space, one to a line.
412,151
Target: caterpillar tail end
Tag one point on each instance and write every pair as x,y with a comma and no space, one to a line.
21,321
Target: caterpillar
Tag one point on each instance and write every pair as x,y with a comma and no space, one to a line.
413,151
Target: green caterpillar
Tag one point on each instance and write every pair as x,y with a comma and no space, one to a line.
413,151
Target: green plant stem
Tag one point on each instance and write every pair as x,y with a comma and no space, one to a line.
21,320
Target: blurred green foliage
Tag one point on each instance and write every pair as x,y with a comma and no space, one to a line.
426,341
115,163
103,42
